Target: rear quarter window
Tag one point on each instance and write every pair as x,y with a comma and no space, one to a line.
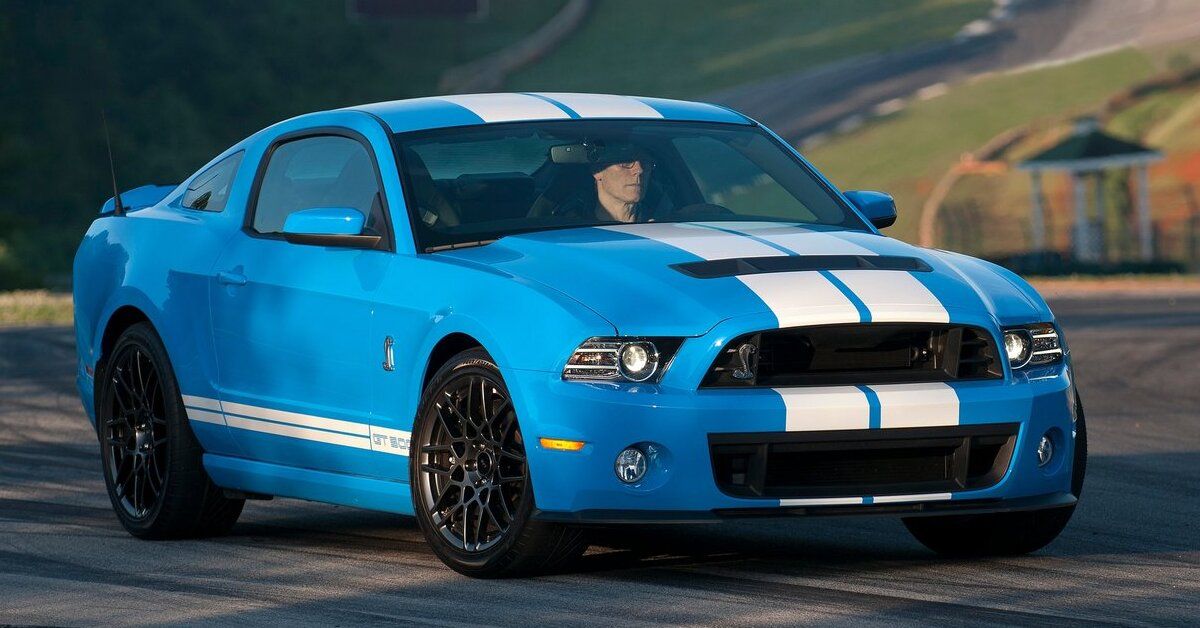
209,190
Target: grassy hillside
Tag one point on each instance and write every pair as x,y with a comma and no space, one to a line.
689,48
182,80
907,152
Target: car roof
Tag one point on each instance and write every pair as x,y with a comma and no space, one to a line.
473,109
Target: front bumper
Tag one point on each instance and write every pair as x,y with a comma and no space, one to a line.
680,485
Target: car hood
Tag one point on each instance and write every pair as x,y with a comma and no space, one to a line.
652,279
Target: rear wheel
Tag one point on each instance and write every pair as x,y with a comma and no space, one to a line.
151,460
1004,534
472,492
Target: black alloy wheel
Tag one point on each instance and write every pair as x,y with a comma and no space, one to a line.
472,488
473,471
152,463
135,433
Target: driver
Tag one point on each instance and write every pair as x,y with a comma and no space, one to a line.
622,173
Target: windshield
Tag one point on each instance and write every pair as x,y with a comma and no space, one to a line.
478,184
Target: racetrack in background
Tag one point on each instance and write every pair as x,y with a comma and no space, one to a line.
1131,555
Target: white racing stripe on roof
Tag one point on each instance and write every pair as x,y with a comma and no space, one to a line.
931,404
894,296
922,497
707,244
826,408
507,107
604,105
802,298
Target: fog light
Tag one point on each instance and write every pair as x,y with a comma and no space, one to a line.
1045,451
630,465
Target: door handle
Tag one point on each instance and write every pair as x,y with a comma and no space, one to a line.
231,279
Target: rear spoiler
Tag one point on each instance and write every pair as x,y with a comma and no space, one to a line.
140,198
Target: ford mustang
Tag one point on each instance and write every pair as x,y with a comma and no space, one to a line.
514,316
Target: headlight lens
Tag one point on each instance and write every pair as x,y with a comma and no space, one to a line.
621,359
1033,345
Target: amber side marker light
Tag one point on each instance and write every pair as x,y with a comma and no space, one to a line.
561,444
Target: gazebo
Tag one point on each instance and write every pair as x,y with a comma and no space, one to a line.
1087,153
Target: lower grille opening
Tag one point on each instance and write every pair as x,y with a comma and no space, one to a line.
861,462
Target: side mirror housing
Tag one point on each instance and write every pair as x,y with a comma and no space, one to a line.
878,207
329,226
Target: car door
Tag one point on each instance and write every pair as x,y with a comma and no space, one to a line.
291,321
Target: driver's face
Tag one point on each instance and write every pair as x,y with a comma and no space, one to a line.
625,181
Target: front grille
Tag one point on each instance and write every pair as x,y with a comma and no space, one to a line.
862,462
879,353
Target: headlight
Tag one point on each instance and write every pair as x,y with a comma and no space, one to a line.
621,359
1032,345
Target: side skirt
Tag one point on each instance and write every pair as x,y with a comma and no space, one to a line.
251,476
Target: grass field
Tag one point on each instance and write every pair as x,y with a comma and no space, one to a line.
689,48
34,307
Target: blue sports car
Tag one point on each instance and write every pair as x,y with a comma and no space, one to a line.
517,315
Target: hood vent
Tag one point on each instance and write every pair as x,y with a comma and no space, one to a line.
782,264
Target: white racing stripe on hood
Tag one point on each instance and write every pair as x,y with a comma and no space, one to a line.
802,298
806,242
932,404
507,107
604,105
894,296
826,408
705,243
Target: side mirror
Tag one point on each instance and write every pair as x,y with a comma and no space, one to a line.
878,207
329,226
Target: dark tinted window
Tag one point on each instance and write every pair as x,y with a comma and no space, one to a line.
323,171
209,191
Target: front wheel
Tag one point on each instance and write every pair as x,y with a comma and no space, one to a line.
1009,533
472,493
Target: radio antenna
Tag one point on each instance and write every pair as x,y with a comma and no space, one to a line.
118,207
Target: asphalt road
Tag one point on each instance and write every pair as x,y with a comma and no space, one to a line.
1131,555
802,104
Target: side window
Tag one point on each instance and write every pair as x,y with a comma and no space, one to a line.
210,189
321,171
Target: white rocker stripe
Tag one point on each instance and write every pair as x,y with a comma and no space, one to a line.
390,441
894,296
303,433
300,426
707,244
932,404
321,423
925,497
203,403
204,416
604,105
827,408
507,107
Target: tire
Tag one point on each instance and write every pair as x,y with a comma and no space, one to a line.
150,457
1009,533
468,464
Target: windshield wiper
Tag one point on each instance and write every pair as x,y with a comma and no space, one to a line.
458,245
